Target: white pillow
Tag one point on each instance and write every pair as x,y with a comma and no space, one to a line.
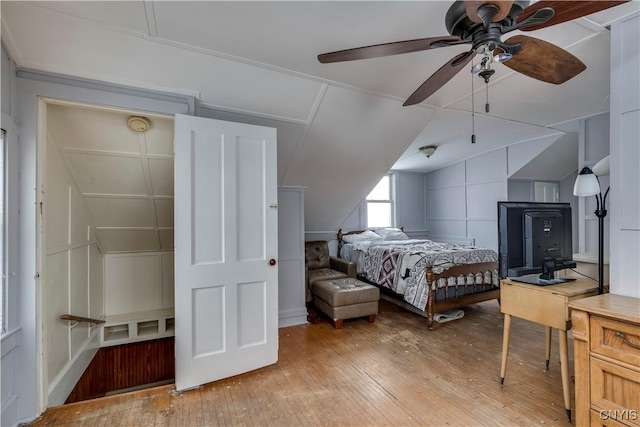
361,237
390,233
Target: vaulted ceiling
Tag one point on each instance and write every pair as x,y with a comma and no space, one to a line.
340,126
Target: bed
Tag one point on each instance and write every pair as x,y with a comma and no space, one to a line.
425,276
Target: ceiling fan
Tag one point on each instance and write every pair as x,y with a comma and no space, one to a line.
481,23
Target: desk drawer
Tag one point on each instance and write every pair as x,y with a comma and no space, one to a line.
615,339
616,390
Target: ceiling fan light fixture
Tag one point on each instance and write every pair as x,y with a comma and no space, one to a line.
482,25
488,59
477,68
502,57
428,150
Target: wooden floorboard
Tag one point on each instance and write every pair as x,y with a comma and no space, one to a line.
393,372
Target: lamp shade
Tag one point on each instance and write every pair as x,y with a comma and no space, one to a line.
586,184
602,167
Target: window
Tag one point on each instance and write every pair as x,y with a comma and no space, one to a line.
546,191
380,204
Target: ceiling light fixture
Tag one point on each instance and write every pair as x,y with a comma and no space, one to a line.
428,150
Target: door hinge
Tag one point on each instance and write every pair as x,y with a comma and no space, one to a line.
41,203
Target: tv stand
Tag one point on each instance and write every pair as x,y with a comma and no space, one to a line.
522,271
537,279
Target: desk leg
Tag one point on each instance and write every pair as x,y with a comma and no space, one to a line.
506,333
548,343
564,366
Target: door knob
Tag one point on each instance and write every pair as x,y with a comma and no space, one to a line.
272,261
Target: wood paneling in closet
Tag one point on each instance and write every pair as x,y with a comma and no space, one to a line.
124,366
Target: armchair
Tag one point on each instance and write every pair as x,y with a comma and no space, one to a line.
319,265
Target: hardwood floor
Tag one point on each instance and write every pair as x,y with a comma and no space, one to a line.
392,372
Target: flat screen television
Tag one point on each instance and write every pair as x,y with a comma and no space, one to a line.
534,238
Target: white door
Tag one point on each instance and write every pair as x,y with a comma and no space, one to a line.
226,244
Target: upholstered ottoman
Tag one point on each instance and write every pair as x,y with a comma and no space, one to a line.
346,298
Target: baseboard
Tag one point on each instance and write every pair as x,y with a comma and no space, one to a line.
293,317
63,383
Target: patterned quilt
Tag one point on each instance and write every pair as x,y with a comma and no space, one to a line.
400,265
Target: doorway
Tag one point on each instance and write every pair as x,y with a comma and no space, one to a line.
106,184
106,241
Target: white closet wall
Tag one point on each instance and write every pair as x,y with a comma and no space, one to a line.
139,297
138,282
72,277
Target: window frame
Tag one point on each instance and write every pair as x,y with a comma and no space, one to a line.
4,231
9,321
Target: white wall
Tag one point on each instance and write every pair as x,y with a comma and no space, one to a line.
519,190
625,157
593,145
458,201
138,282
566,196
462,198
410,206
72,277
411,202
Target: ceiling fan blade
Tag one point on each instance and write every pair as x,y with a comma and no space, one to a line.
543,61
386,49
502,9
439,78
565,10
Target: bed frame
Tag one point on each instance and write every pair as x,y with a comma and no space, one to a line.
455,296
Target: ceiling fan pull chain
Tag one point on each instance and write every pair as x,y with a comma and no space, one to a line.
473,111
486,106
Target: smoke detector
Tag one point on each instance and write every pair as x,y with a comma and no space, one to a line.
138,124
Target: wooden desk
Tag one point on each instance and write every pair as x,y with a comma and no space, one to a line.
546,305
